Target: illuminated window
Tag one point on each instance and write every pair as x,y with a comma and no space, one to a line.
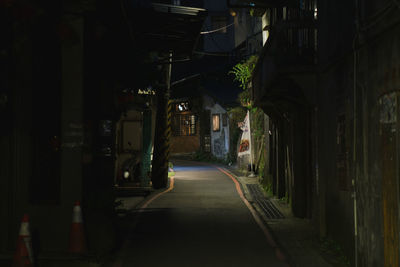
184,125
216,124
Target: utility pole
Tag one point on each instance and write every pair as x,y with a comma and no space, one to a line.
159,174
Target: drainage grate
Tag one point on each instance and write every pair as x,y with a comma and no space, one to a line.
265,204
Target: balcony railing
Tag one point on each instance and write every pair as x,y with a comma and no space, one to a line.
294,42
291,47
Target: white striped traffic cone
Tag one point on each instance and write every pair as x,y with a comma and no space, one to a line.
77,242
23,256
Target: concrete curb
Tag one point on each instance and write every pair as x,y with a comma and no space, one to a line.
281,252
297,251
135,211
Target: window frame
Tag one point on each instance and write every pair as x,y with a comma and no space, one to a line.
180,129
216,115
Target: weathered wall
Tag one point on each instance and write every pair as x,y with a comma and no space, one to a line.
6,116
122,155
185,144
378,87
354,129
334,120
18,148
358,129
335,160
248,30
219,139
46,133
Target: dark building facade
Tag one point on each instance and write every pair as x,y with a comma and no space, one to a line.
358,92
63,71
328,78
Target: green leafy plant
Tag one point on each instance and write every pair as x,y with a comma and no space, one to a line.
284,199
243,71
267,188
236,115
242,74
257,122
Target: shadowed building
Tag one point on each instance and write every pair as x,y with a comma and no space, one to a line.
199,123
330,87
63,67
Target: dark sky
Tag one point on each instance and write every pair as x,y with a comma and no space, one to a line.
214,75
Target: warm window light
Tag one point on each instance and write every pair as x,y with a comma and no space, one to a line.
216,124
184,125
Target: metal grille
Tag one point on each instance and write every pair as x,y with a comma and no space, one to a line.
184,125
207,143
269,209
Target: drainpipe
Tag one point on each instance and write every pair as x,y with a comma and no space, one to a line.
354,181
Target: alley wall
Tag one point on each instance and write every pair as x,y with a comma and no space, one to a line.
358,130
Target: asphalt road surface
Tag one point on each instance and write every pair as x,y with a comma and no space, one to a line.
201,221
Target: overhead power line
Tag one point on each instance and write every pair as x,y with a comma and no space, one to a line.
217,30
212,54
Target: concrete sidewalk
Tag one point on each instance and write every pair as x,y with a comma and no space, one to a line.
297,237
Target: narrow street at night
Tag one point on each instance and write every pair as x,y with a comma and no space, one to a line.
193,133
202,221
208,217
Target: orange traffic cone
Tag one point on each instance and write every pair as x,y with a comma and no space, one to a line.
23,256
77,243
